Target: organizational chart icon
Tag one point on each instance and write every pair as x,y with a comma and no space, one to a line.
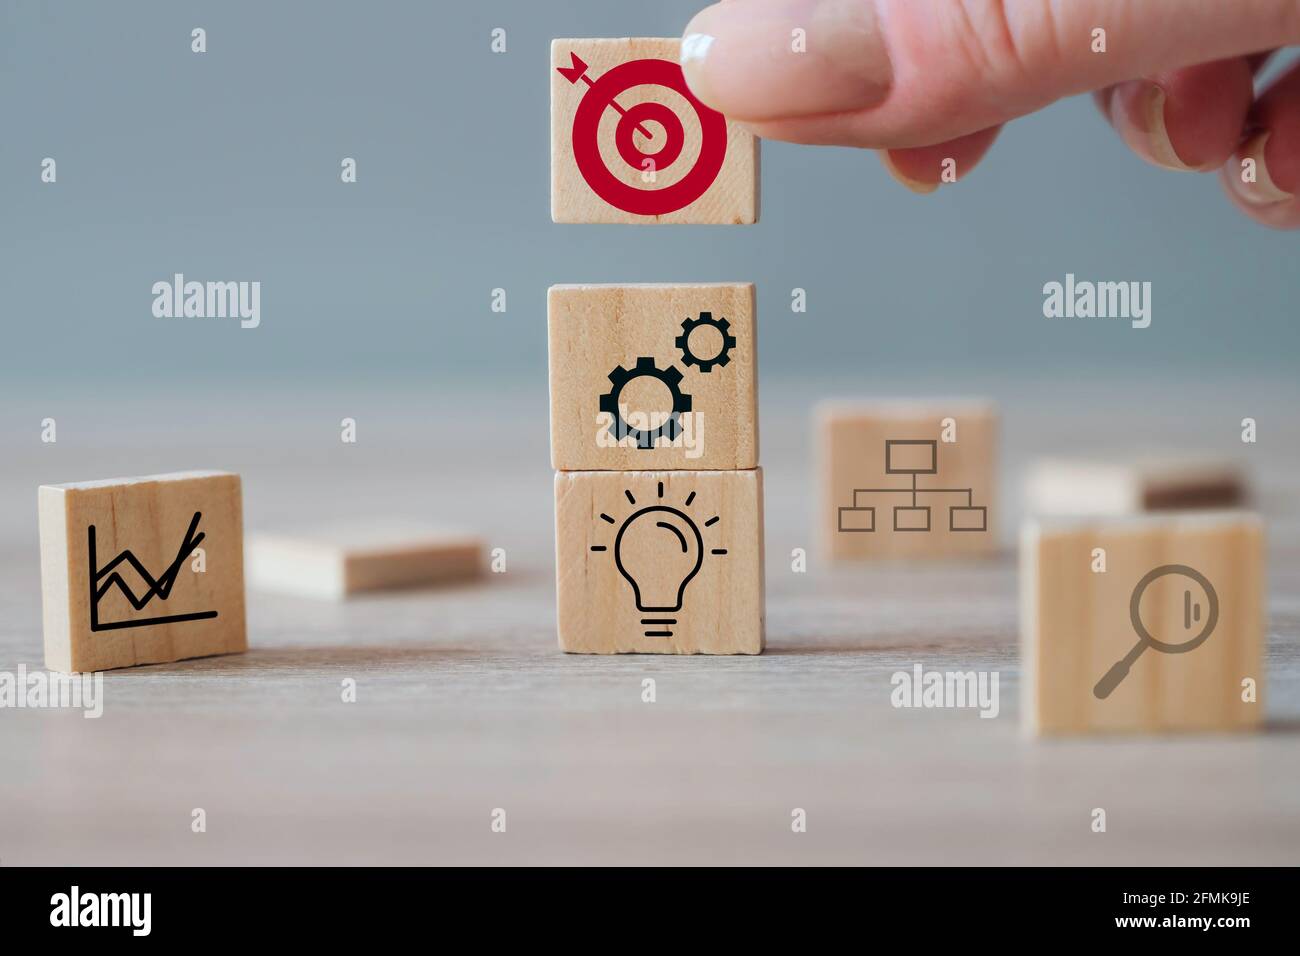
912,458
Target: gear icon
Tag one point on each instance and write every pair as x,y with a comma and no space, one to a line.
645,368
683,342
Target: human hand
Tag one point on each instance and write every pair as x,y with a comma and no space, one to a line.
926,81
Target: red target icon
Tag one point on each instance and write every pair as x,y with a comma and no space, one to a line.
601,95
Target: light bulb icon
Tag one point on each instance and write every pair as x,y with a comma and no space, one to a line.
659,549
663,548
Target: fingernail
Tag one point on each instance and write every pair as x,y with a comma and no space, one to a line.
1138,112
770,59
695,47
1250,178
918,187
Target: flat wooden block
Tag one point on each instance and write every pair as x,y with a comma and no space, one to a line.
1162,640
1144,483
659,562
653,376
142,570
908,479
334,562
630,142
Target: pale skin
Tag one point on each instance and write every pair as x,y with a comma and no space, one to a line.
929,81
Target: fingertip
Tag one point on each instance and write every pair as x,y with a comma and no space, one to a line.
1137,111
1187,120
891,164
769,59
1263,175
923,169
1251,184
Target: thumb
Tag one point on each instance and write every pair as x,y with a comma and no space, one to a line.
897,73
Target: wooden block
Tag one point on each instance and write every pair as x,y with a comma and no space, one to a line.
335,562
653,376
908,479
1192,583
142,570
1144,483
630,142
659,562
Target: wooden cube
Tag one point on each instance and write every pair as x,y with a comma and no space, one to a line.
1162,639
333,562
142,570
659,562
653,376
630,142
908,479
1142,483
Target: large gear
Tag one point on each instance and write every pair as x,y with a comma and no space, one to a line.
683,342
645,368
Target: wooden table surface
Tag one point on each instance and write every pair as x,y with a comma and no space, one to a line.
465,705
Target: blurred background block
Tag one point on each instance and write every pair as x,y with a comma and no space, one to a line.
464,702
334,561
928,468
377,304
1140,483
1143,624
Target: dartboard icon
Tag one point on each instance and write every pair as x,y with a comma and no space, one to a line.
633,137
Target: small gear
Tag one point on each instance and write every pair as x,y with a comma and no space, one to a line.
683,342
645,368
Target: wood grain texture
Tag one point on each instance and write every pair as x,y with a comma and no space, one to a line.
464,702
1077,623
659,562
597,330
381,554
109,545
1075,487
867,512
733,196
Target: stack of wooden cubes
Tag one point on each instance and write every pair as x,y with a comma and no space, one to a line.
654,416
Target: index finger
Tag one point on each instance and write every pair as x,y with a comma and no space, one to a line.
899,73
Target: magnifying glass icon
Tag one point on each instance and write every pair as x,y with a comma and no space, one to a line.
1191,614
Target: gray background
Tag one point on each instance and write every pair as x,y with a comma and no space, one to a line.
225,165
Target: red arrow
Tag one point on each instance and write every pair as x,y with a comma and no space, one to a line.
578,71
575,72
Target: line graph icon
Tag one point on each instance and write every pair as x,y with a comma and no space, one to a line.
102,580
912,457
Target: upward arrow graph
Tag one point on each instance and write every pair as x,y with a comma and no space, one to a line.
159,587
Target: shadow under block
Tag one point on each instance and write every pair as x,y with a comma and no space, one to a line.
1144,483
335,562
660,562
142,570
652,376
1078,625
873,454
631,144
